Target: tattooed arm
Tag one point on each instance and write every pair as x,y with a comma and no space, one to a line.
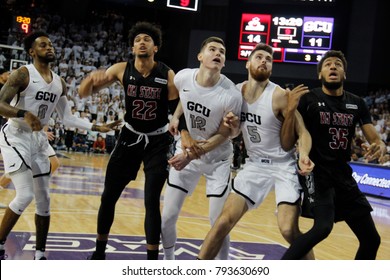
16,83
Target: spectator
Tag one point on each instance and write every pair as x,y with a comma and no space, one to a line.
99,146
79,144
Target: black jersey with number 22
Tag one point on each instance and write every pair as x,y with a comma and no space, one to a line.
146,98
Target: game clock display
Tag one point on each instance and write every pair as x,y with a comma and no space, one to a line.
22,24
294,39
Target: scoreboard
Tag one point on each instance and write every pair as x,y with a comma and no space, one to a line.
294,39
22,24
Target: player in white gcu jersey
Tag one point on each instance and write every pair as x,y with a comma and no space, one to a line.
34,91
206,96
264,113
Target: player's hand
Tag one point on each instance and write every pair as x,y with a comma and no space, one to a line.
100,77
305,165
294,96
190,145
233,122
372,152
33,121
173,126
50,135
108,127
179,161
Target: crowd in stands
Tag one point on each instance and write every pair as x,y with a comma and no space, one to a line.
82,48
378,103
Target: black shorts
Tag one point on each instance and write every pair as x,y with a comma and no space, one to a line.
126,158
339,190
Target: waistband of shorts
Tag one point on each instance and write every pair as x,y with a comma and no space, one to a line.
270,161
158,131
19,126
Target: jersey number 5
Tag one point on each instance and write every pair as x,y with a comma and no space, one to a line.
254,135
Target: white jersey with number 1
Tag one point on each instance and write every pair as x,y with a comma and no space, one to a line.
205,107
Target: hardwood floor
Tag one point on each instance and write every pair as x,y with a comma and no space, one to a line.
75,199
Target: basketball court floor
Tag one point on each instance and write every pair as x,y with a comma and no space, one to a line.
75,197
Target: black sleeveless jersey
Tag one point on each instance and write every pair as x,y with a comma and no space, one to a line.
146,99
331,121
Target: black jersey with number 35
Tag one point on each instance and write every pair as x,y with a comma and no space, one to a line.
331,121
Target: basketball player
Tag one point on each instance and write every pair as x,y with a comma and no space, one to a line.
4,74
144,138
206,96
331,114
263,111
35,91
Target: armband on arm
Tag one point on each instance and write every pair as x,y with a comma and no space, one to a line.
172,104
21,113
182,123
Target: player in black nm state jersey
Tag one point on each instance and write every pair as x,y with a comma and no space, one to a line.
149,91
331,114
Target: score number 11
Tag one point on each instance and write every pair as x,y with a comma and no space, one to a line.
315,42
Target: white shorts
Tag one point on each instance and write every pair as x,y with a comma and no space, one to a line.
20,146
256,180
50,151
217,175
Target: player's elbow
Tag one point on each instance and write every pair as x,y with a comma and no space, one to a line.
288,144
287,147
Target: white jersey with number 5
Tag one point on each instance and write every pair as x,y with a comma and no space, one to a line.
261,128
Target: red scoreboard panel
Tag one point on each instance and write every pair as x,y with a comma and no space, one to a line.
294,39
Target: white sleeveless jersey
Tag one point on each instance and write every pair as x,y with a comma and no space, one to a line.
261,128
205,107
39,98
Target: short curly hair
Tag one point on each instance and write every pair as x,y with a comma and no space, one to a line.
29,40
152,30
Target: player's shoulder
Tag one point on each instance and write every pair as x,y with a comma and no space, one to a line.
313,94
352,96
183,75
163,65
278,90
228,85
186,71
20,76
22,70
240,85
118,68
